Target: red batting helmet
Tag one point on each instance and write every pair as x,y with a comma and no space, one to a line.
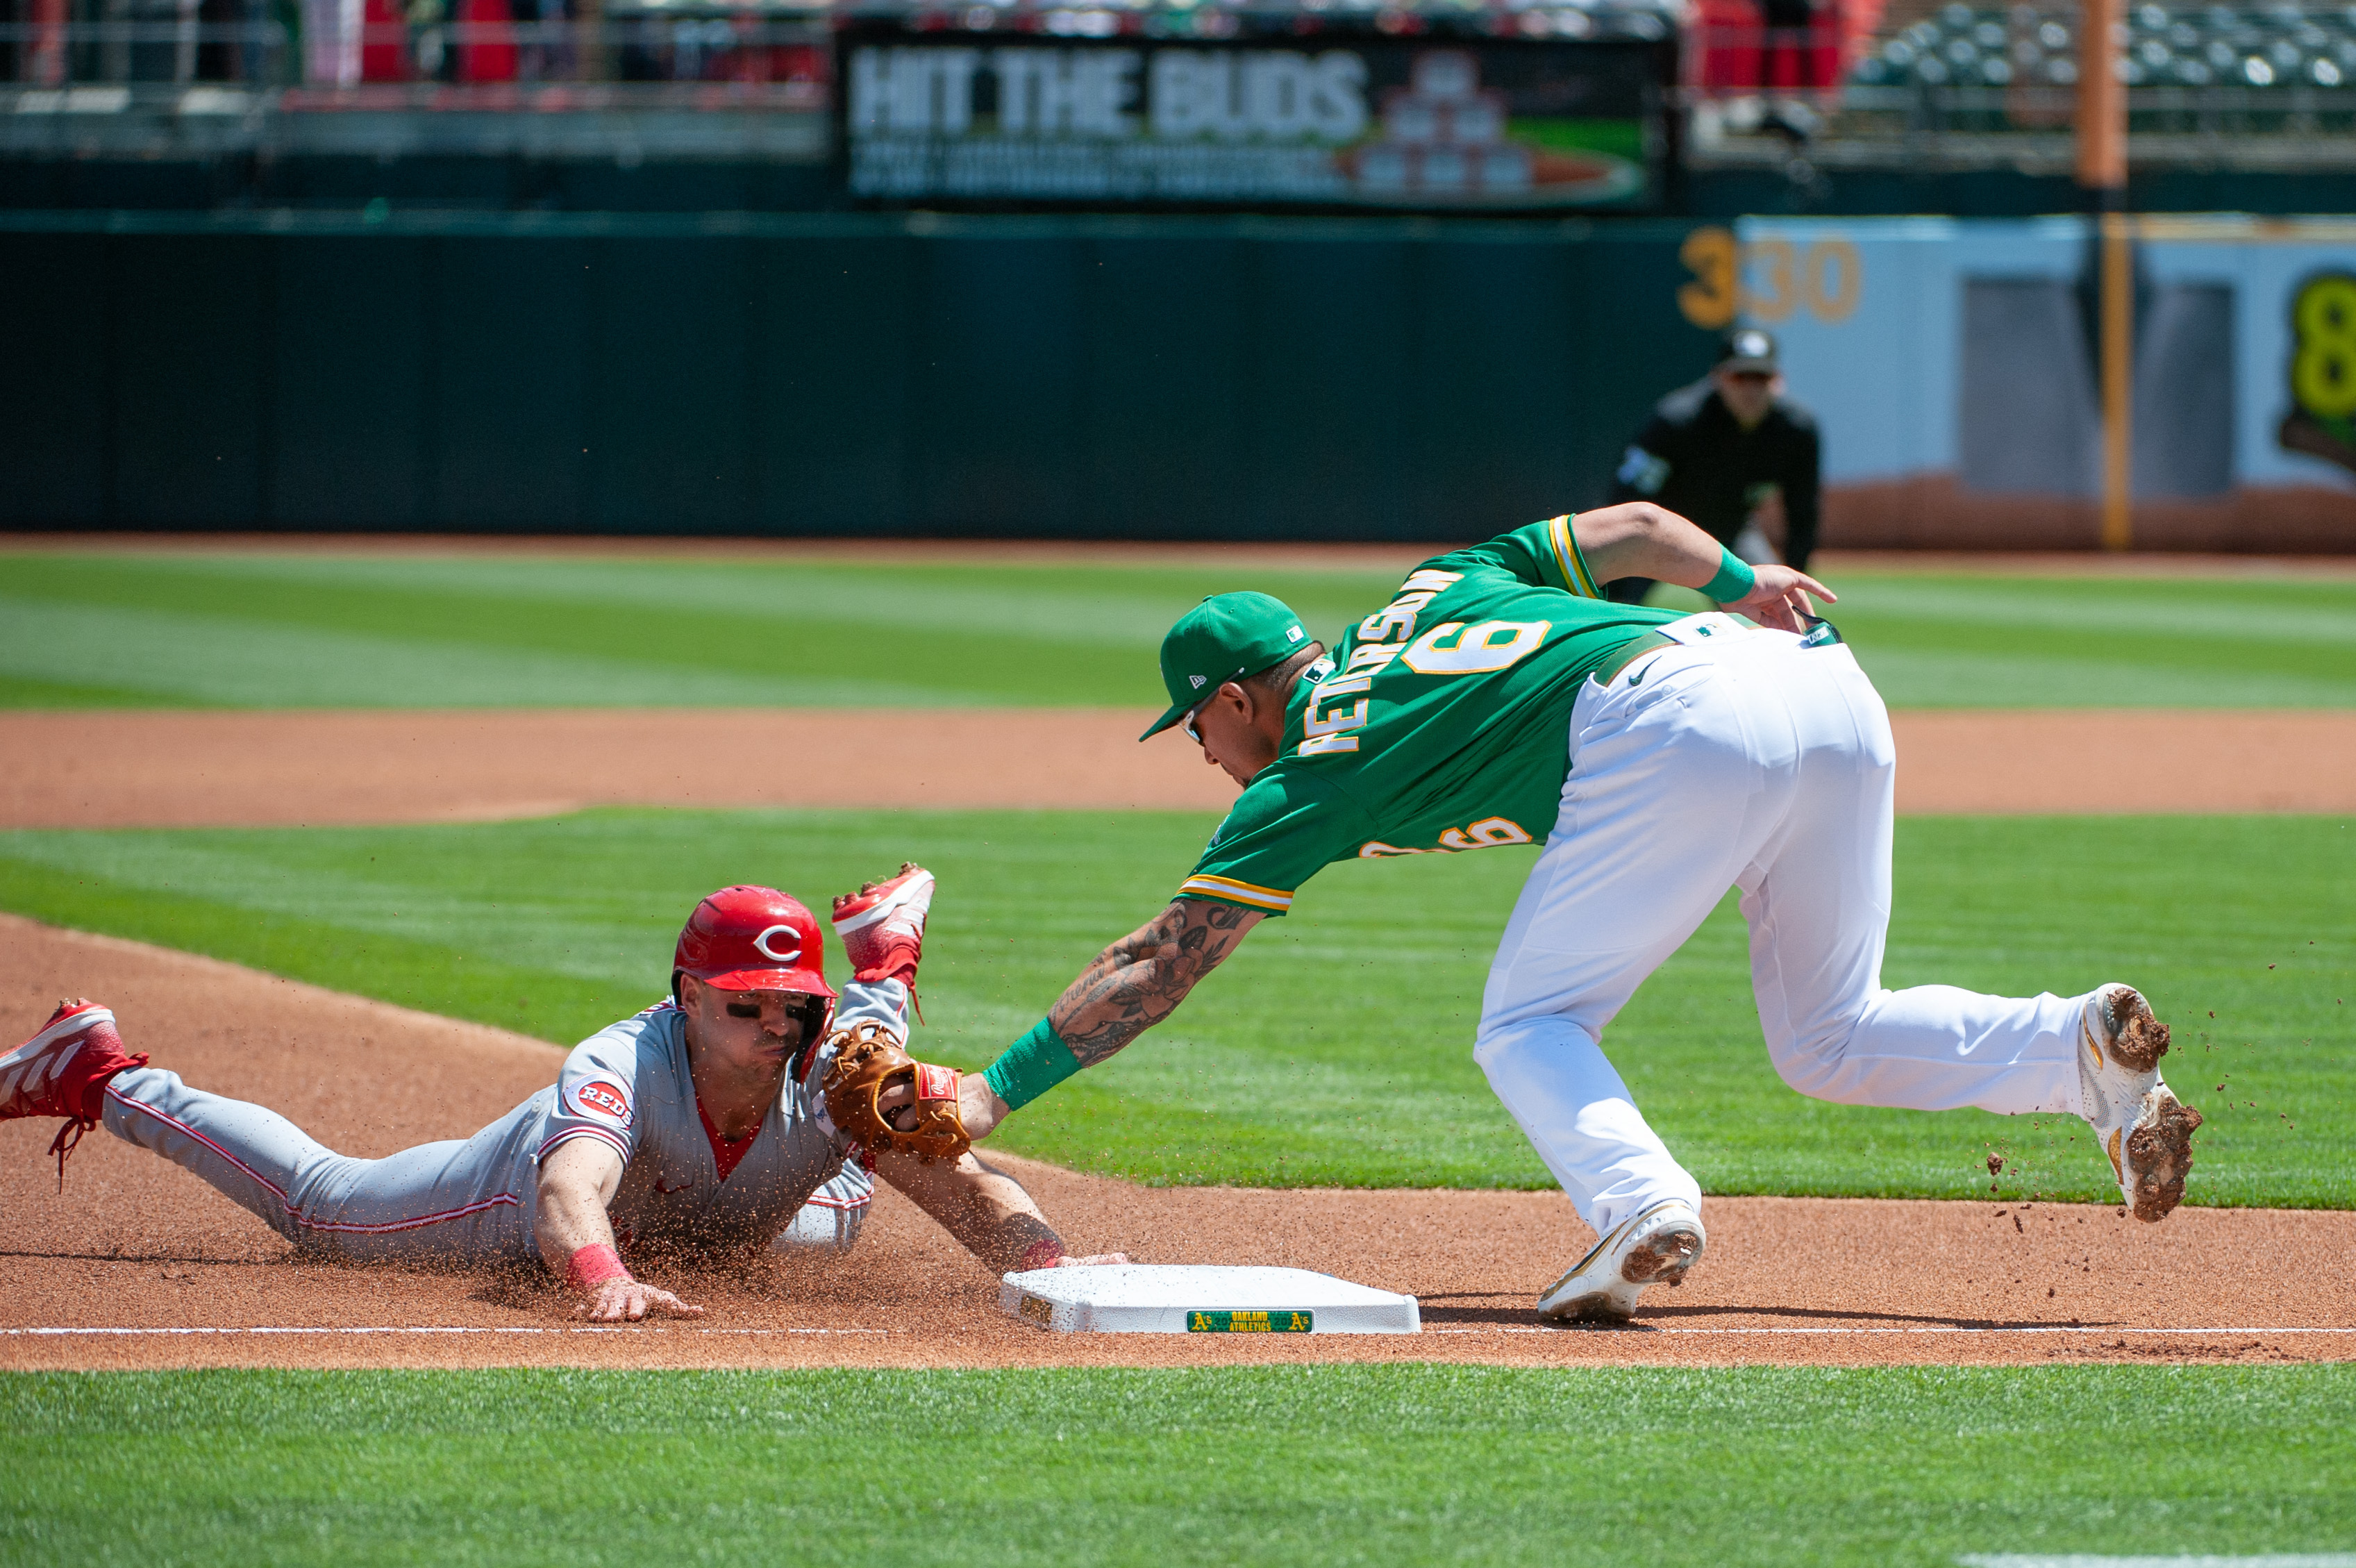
753,939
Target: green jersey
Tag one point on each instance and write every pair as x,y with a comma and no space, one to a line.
1443,724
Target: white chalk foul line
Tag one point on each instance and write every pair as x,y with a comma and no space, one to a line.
64,1330
578,1328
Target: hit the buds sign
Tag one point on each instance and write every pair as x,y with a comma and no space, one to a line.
1360,122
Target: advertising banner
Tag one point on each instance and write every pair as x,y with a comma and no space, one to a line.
1332,119
1954,368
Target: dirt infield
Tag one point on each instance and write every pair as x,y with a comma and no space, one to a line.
138,1264
198,769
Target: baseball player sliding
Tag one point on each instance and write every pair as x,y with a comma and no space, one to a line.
1501,699
746,1111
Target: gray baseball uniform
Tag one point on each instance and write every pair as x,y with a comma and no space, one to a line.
473,1200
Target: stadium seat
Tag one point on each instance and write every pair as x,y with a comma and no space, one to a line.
2276,48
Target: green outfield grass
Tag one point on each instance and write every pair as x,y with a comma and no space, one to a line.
362,630
1335,1046
1340,1465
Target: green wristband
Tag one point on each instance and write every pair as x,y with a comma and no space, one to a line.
1734,581
1032,1066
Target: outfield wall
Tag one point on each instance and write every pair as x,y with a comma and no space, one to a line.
1953,367
1217,378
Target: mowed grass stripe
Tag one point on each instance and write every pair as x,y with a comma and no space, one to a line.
1378,1464
365,632
1334,1049
372,631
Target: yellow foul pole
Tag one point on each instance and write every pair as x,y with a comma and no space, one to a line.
2103,176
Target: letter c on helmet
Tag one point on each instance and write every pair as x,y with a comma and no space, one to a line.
794,950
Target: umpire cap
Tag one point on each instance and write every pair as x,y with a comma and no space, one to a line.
1748,348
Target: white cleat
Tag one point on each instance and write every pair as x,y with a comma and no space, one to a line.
1655,1248
2140,1125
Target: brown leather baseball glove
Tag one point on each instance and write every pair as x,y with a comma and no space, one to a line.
867,1063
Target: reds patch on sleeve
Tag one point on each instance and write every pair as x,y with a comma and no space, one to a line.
599,1099
935,1083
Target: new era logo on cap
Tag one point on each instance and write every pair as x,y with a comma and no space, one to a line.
1293,634
1200,681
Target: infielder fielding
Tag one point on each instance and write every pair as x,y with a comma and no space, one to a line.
746,1111
1501,699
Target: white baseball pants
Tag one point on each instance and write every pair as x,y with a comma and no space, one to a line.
1752,761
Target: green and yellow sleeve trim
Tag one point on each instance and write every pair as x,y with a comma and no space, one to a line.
1227,890
1567,558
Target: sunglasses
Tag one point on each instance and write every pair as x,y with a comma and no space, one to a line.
1186,725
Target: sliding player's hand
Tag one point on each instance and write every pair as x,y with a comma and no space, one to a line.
627,1300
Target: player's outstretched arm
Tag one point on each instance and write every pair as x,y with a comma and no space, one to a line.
577,1179
1140,979
985,1209
1131,987
1638,539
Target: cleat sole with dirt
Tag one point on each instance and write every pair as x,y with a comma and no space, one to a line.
2159,1154
1661,1259
2138,1040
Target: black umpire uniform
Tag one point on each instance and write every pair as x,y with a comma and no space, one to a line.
1698,459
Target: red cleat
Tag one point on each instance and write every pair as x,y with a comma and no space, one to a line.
63,1071
883,925
56,1072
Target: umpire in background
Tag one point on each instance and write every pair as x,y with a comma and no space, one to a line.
1717,450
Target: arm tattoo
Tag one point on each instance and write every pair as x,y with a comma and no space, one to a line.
1140,979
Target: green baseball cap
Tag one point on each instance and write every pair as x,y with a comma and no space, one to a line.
1226,635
